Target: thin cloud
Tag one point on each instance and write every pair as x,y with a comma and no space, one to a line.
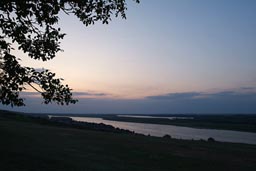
28,94
222,93
175,96
233,94
85,94
200,95
247,88
40,69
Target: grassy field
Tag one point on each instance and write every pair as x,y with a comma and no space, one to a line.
31,144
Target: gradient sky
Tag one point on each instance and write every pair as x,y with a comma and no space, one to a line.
169,56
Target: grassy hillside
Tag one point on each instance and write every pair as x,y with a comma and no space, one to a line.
35,144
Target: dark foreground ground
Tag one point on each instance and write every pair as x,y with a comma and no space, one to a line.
35,144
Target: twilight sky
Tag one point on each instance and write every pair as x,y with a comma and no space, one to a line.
169,56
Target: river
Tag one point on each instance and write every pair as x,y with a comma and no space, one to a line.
177,132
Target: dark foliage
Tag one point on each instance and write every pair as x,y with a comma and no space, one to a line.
210,139
32,25
167,136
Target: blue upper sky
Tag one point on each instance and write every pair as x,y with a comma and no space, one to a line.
169,56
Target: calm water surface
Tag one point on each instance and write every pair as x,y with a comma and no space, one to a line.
177,131
162,117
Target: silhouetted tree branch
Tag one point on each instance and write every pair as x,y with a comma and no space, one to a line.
32,24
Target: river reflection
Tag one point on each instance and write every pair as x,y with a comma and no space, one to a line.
152,117
177,131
